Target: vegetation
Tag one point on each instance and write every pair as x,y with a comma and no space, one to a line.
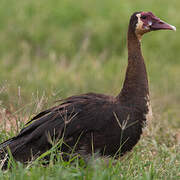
53,49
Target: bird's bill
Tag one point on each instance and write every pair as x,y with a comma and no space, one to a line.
161,25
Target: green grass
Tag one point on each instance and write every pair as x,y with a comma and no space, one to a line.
53,49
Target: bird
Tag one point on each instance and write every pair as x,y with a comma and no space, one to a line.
94,123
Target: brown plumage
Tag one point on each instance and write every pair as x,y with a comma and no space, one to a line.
94,122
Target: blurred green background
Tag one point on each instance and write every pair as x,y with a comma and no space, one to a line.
61,48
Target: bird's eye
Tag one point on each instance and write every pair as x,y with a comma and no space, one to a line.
143,17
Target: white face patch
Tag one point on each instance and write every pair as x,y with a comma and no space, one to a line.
139,24
140,28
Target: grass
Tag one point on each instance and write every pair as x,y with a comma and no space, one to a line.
54,49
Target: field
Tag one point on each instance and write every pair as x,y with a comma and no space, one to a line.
53,49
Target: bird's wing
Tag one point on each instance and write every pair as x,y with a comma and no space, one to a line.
75,113
88,114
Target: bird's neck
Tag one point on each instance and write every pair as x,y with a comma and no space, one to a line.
136,83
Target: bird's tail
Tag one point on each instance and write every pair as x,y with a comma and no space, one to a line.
4,157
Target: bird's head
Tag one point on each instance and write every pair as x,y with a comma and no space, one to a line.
143,22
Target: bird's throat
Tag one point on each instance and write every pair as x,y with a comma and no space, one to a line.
136,82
